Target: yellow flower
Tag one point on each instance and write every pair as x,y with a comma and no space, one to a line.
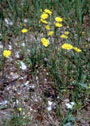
20,24
89,86
77,49
86,46
47,27
30,28
64,36
67,26
20,109
58,19
40,10
48,11
58,25
83,33
67,46
45,42
24,30
6,53
43,21
24,24
50,33
44,16
66,33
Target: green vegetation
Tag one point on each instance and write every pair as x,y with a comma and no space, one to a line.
56,39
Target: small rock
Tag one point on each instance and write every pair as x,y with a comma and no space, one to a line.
23,65
50,103
49,108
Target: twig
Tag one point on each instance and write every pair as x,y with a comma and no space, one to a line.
84,106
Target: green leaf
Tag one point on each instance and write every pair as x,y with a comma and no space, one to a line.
68,124
83,85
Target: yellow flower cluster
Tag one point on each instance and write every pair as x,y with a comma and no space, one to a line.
64,36
48,11
58,22
69,47
6,53
45,15
45,42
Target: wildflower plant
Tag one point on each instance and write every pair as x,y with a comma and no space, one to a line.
56,42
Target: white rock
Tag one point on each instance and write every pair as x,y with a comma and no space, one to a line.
27,82
36,77
15,75
32,86
23,65
23,44
1,46
8,22
50,103
17,54
25,20
66,100
31,109
58,97
10,47
70,105
49,108
4,102
47,73
45,79
35,100
89,39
